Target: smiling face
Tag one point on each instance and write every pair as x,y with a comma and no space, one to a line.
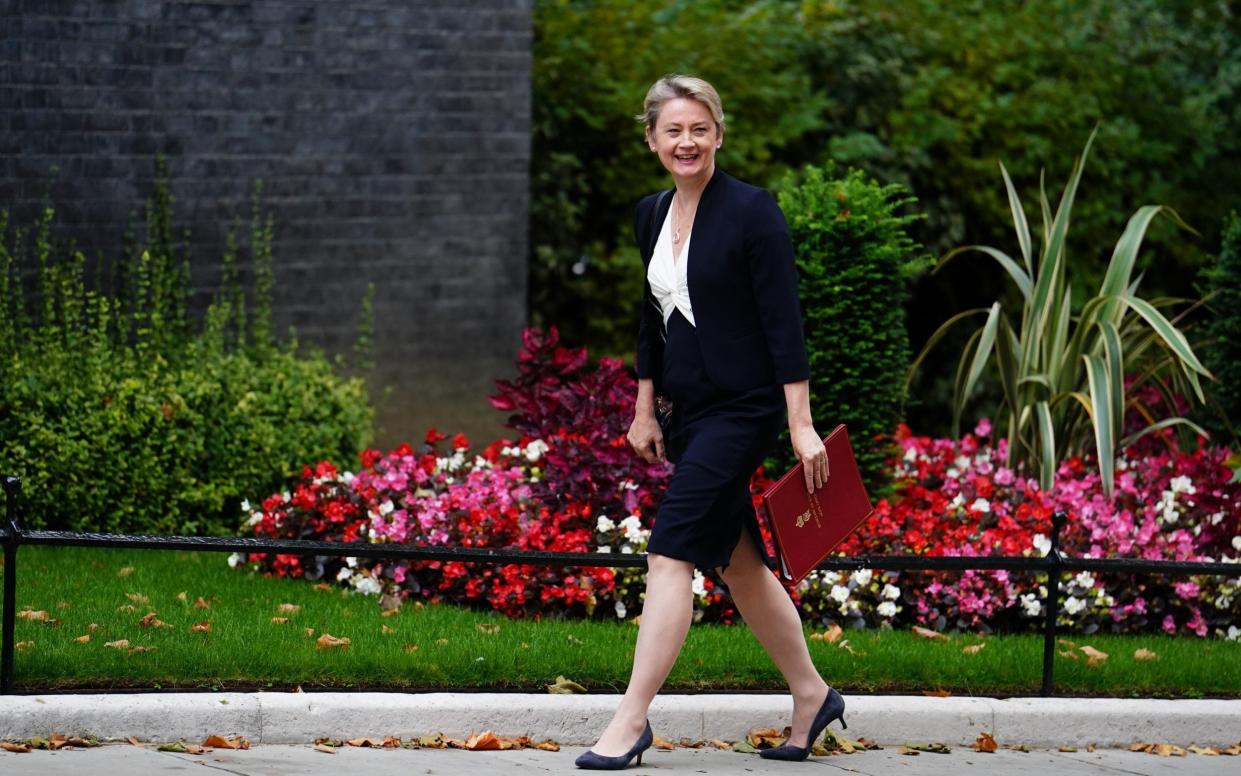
686,138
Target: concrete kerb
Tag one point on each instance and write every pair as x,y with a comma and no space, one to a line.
294,718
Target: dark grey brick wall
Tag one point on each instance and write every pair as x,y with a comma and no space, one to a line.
391,137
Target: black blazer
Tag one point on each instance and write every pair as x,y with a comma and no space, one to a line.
742,287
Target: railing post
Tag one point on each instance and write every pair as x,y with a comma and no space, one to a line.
1052,604
12,486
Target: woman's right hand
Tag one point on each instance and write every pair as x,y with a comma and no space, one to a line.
646,438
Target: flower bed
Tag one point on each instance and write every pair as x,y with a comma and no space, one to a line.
570,483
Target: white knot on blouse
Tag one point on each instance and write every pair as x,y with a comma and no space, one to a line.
667,275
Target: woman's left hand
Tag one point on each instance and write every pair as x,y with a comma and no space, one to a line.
809,449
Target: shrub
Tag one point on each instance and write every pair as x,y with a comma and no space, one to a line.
854,257
120,418
1222,353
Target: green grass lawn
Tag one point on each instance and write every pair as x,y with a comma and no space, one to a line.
460,649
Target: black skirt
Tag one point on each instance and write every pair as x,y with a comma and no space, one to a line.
716,439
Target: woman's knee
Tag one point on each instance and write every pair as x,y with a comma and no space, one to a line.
664,567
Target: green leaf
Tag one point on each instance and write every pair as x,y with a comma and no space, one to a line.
1100,391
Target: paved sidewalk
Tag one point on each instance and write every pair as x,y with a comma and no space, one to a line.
277,760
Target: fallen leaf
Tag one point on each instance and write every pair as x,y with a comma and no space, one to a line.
563,686
661,743
175,746
82,639
1066,643
37,616
17,748
1067,749
937,693
985,743
183,596
125,571
1141,747
389,602
325,749
866,742
441,642
92,627
282,621
831,635
201,627
390,612
483,742
121,644
63,605
488,627
1093,656
718,744
908,751
1090,747
138,598
385,629
411,647
548,746
22,646
152,620
323,586
927,633
374,742
288,608
974,649
310,632
686,743
766,737
237,742
391,742
328,641
937,747
574,639
1169,750
133,741
745,747
1144,654
141,649
432,742
1067,654
1019,748
126,608
201,604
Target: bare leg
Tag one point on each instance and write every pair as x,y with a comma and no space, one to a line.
666,615
771,615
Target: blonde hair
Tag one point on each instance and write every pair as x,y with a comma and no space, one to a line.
672,86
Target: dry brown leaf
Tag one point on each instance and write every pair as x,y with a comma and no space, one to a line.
1018,748
985,743
323,586
866,742
937,693
718,744
120,644
375,742
766,737
152,620
1090,747
325,749
328,641
1209,751
141,649
389,601
908,751
390,612
488,627
82,639
1067,749
288,608
1232,751
927,633
974,649
126,608
1066,643
138,598
183,596
1144,654
410,647
125,571
94,626
1169,750
133,741
432,742
385,629
485,741
441,642
548,746
310,632
201,604
831,635
201,627
282,621
686,743
565,686
63,605
22,646
17,748
237,742
1067,654
661,743
1141,746
37,616
1093,656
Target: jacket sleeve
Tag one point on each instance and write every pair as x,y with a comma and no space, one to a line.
650,342
773,272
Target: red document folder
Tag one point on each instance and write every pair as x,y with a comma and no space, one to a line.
806,527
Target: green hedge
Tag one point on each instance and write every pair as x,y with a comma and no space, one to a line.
1222,354
854,259
119,416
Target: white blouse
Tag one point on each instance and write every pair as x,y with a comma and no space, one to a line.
667,275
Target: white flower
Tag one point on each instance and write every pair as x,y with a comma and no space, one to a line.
346,477
886,609
626,549
633,528
255,518
862,577
911,454
1223,602
386,508
699,585
1084,579
962,462
1073,604
840,593
245,505
1042,544
1234,633
1236,543
603,548
952,472
891,592
830,577
369,586
1032,606
535,450
957,501
351,561
1217,518
285,496
603,524
343,574
1182,484
628,485
981,505
234,559
620,610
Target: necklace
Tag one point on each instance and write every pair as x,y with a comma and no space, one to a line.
676,224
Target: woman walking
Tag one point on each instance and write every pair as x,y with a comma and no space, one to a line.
721,336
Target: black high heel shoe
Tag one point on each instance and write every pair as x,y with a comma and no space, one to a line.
597,762
833,708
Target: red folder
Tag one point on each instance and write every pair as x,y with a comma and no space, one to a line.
805,526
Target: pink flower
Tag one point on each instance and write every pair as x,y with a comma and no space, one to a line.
983,428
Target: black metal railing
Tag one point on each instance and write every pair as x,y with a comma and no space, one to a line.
1052,564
